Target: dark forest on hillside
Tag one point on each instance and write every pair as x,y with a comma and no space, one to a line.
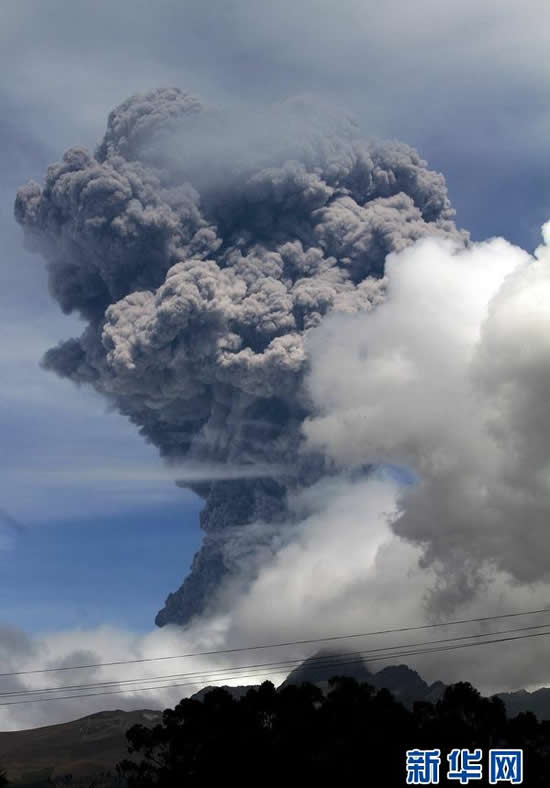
300,736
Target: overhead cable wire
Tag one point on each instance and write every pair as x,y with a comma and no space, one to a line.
284,671
326,660
276,645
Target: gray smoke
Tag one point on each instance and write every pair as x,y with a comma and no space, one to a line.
200,247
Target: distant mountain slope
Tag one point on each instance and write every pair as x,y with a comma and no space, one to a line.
403,682
324,664
82,747
538,702
236,692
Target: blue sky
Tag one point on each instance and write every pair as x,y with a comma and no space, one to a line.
101,543
92,571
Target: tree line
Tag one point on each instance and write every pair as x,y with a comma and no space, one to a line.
300,735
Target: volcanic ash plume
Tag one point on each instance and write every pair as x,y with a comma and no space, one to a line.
201,247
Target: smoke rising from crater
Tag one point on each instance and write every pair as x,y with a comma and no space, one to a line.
201,247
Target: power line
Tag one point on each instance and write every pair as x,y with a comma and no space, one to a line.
324,660
275,672
277,645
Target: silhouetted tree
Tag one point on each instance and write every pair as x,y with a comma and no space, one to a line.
300,735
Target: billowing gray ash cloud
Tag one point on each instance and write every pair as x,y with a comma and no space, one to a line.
200,247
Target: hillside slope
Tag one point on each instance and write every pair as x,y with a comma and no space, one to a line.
82,747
